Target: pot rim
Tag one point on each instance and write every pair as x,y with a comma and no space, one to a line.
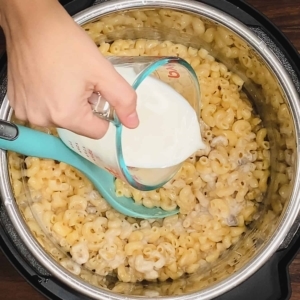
287,218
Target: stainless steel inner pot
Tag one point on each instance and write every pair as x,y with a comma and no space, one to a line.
274,96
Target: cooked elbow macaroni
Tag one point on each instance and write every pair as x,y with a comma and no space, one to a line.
218,190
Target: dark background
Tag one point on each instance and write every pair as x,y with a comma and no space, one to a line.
285,14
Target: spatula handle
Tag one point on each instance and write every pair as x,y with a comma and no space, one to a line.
31,142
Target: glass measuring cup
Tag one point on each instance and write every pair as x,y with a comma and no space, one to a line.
108,152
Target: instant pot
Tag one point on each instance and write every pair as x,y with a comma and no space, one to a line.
262,273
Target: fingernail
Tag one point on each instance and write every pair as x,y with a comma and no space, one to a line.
132,120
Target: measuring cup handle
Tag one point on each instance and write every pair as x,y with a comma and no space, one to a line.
102,109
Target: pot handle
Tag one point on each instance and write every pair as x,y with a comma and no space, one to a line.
271,281
293,234
230,7
75,6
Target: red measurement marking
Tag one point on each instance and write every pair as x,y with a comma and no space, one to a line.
173,73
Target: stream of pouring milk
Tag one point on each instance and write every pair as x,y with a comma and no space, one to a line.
168,134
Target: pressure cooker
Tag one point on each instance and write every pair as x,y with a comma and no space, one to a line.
259,270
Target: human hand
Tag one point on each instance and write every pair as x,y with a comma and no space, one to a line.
54,67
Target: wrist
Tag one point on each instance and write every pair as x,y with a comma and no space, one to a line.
24,20
15,13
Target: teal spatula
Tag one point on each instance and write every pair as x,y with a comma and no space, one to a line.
31,142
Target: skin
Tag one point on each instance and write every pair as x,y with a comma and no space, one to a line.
54,67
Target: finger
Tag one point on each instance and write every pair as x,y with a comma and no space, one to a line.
115,89
85,123
91,126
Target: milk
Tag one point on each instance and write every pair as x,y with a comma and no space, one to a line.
167,135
